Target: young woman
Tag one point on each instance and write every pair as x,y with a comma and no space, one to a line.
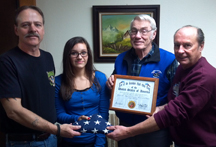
80,91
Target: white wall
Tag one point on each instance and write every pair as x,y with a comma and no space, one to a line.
65,19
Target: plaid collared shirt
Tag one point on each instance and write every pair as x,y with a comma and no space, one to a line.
137,64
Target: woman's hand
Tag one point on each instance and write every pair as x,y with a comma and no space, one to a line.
83,117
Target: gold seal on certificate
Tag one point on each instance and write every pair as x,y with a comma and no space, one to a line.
134,94
131,104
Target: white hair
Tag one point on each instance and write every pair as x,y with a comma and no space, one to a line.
147,18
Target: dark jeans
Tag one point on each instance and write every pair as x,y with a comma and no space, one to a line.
49,142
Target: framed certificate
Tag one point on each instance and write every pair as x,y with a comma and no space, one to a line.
133,94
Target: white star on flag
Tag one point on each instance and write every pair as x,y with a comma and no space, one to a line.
99,116
97,122
86,122
94,131
105,131
108,123
84,131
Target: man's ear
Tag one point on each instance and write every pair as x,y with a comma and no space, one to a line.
154,35
201,46
15,30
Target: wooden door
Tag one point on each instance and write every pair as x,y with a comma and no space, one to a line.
8,39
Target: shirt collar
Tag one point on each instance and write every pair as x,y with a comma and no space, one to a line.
133,53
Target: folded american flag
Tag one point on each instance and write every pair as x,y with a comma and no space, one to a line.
95,125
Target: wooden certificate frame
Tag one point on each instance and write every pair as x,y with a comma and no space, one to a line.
133,94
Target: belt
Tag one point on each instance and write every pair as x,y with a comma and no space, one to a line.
28,137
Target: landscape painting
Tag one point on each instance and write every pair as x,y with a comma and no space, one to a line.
115,37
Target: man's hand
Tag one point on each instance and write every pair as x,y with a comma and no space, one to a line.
110,82
159,108
67,130
119,133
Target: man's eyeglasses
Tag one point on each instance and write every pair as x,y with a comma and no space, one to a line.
141,31
76,54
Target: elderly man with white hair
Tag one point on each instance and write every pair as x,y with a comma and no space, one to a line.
145,59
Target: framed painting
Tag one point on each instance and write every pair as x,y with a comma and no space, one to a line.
111,25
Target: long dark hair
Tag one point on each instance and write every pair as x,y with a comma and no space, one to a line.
67,83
